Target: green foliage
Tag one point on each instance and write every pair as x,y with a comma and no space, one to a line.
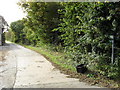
17,30
10,36
86,30
41,20
82,29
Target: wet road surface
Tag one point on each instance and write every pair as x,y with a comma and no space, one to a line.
8,66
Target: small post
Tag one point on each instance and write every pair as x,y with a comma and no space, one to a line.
114,24
112,56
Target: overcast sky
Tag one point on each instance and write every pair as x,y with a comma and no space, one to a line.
10,10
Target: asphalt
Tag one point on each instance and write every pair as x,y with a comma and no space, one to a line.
8,66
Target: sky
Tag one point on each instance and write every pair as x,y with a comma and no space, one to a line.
10,10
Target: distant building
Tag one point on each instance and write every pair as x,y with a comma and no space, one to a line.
3,27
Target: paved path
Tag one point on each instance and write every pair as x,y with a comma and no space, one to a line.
29,69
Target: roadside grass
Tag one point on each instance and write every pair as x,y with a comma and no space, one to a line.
65,66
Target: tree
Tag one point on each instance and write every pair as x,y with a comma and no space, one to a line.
17,28
42,19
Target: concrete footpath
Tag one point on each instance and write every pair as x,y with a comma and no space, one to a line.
28,69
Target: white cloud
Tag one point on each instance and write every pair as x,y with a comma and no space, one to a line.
10,10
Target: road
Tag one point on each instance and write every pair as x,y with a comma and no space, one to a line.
24,68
